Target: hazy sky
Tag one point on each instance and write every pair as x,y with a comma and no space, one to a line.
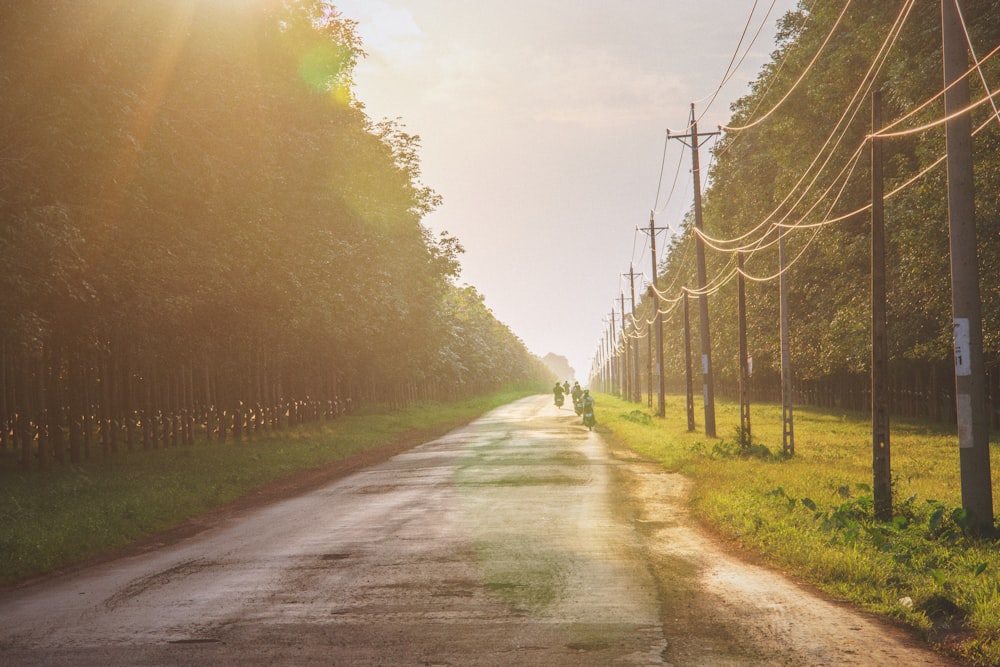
542,125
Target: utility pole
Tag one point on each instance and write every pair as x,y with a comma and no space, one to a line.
787,419
607,365
597,377
602,365
612,349
708,382
661,410
649,363
881,461
688,377
625,355
604,362
636,380
970,375
595,365
741,307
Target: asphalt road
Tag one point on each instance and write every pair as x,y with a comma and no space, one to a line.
521,539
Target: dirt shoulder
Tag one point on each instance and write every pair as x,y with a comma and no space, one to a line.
719,607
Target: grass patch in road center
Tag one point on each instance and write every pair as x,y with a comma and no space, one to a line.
811,514
527,573
528,479
498,465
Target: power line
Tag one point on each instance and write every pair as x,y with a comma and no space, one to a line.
826,221
730,69
841,126
673,186
939,121
934,98
972,50
829,36
773,79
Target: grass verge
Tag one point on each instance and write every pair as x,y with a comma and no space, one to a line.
55,518
811,514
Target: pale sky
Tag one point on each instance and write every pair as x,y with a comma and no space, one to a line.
542,126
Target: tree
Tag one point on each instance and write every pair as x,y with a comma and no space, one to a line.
204,232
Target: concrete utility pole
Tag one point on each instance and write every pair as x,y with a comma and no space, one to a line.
787,419
661,409
881,462
741,307
708,381
970,374
649,364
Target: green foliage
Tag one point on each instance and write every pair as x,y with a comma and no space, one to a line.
638,417
742,445
737,449
195,208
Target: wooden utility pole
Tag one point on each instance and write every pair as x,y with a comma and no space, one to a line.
881,462
607,365
688,377
597,369
613,354
599,377
741,307
970,374
604,362
708,381
636,380
661,409
625,374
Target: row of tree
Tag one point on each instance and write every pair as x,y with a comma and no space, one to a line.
203,232
753,170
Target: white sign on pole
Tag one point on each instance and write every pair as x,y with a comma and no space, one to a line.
963,364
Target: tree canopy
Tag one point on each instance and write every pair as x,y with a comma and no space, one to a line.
194,208
794,162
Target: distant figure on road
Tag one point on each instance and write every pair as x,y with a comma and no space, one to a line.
557,392
577,395
589,420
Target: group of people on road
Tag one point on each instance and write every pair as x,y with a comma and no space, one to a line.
583,402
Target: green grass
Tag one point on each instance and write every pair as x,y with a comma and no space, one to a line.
58,517
812,515
528,574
